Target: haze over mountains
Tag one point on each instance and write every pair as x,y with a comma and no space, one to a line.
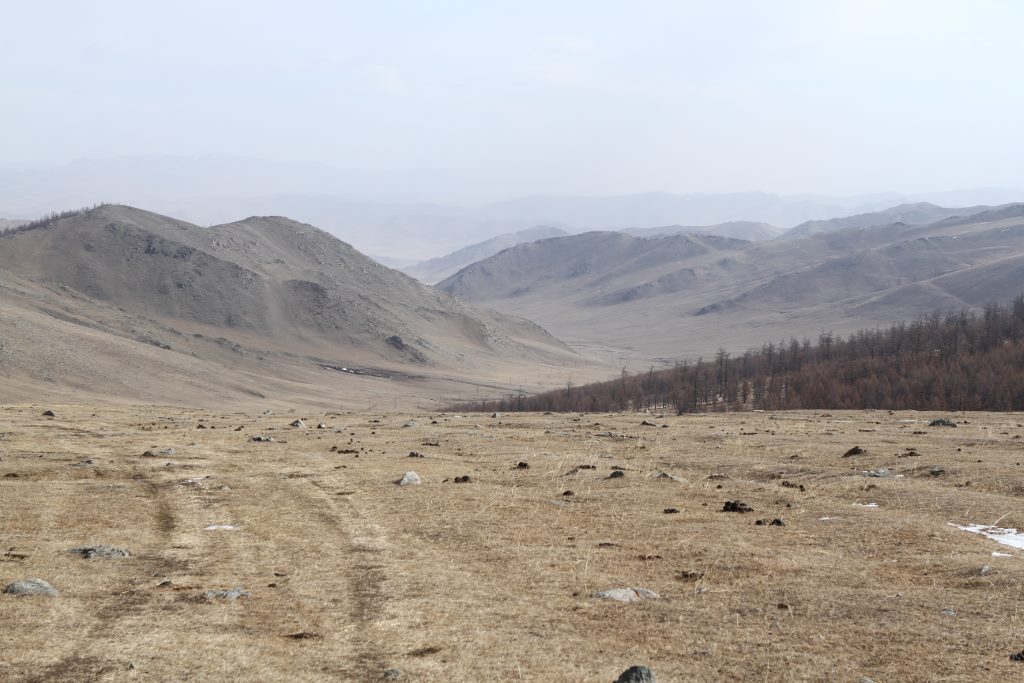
120,301
363,209
686,295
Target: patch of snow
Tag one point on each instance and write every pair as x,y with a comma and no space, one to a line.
216,527
1010,537
996,553
866,505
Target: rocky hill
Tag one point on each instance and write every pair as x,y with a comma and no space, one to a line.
265,296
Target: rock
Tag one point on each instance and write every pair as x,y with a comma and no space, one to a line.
268,411
105,552
416,454
158,454
392,674
856,450
636,674
232,594
627,594
936,472
1019,657
48,413
409,479
522,466
671,511
298,424
304,635
462,480
495,414
321,425
30,587
645,423
948,612
262,439
985,571
617,474
410,423
880,473
770,522
665,476
84,463
736,506
942,422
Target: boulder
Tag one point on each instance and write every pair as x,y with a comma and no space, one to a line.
30,587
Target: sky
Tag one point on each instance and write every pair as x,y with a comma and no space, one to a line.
477,101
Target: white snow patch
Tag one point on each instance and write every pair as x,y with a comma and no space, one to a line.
866,505
996,553
1010,537
215,527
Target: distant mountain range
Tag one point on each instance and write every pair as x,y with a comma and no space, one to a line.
362,208
436,269
685,295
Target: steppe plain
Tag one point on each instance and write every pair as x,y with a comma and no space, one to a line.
350,576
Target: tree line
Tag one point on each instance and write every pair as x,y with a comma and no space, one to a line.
966,360
47,220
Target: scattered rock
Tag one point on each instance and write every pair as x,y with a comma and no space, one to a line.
856,450
416,454
30,587
985,570
791,485
671,511
321,425
262,439
392,674
948,612
462,480
936,472
645,423
200,426
522,466
495,414
770,522
665,476
617,474
568,494
942,422
689,575
410,423
298,424
268,411
736,506
105,552
157,454
1019,657
880,473
409,479
627,594
232,594
48,413
636,674
717,476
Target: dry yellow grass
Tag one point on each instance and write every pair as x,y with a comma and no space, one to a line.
493,579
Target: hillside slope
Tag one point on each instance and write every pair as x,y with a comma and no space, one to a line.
684,296
278,295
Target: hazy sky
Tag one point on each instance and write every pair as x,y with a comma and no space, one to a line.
498,99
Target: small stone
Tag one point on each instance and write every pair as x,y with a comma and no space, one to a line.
298,424
157,454
617,474
671,511
985,571
736,506
48,413
392,674
942,422
880,473
416,454
232,594
856,450
522,466
321,425
636,674
627,594
495,414
262,439
30,587
948,612
462,480
410,423
409,479
770,522
1019,657
645,423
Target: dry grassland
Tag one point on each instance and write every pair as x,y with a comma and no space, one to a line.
494,579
